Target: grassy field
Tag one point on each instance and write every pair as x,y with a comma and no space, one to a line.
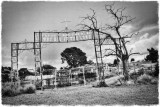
87,95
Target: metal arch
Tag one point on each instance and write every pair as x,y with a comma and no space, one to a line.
43,37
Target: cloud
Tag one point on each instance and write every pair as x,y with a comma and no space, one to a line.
145,42
26,60
127,29
146,14
6,58
145,36
20,20
149,28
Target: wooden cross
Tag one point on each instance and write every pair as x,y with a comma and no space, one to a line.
65,21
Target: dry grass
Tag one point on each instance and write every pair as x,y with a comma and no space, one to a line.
87,95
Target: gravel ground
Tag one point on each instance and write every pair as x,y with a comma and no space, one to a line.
87,95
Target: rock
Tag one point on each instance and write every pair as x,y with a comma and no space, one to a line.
114,80
118,83
130,82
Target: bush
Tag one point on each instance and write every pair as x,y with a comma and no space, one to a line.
144,79
156,73
154,81
29,89
135,75
11,89
81,81
100,84
7,91
140,71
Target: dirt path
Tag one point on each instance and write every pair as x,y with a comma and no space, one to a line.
123,95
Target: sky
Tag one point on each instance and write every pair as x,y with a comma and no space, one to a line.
21,19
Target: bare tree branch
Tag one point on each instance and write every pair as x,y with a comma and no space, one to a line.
110,27
131,50
86,27
120,45
130,35
109,55
126,42
127,21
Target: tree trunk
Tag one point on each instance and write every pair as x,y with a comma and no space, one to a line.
125,69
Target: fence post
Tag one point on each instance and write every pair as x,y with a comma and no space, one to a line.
84,79
55,81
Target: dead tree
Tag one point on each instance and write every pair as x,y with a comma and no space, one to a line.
120,46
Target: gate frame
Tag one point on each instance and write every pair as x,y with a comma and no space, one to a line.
37,45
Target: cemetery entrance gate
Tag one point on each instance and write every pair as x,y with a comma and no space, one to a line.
44,37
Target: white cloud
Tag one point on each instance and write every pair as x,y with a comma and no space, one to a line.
127,29
145,36
147,28
142,45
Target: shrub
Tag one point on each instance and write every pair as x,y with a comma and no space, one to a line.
135,75
7,91
154,81
11,89
81,81
140,71
29,89
144,79
156,74
100,84
20,89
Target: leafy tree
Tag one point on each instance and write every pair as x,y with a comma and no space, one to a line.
90,62
116,61
153,55
132,60
74,56
47,69
23,72
46,66
156,73
5,72
120,19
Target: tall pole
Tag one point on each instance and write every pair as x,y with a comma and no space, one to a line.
40,40
34,47
17,46
55,79
11,73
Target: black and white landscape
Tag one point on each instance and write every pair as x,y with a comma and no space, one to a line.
80,53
